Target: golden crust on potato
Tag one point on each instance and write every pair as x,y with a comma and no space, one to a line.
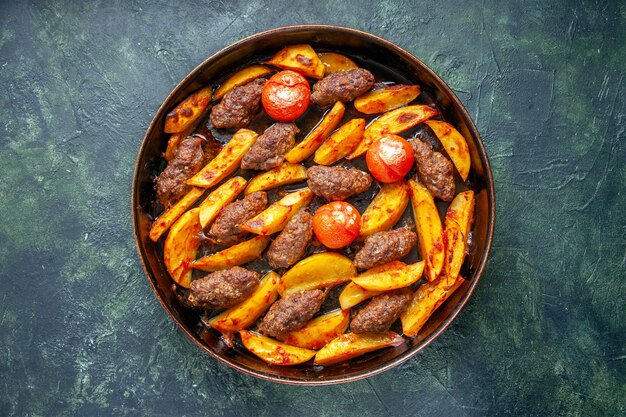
457,227
334,62
455,145
188,111
351,345
181,246
321,270
385,99
343,141
218,198
385,209
299,58
235,255
274,218
425,301
314,139
248,311
285,173
273,351
429,230
320,330
391,279
240,78
226,161
394,122
169,216
352,294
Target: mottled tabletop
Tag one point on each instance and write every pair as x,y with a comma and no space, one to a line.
81,332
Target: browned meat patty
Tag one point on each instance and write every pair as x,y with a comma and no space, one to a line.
383,247
188,160
342,86
290,245
381,312
223,289
226,228
434,170
291,312
238,106
337,183
270,148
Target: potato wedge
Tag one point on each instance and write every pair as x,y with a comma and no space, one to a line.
274,352
180,247
455,145
238,254
169,216
314,139
299,58
343,141
394,122
274,218
334,62
240,78
320,330
425,301
352,294
384,99
351,345
218,198
429,230
385,209
321,270
188,111
457,227
285,173
227,161
391,279
248,311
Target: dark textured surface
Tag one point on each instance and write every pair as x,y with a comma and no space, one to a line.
81,332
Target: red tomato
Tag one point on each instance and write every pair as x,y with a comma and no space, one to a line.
286,96
390,159
337,224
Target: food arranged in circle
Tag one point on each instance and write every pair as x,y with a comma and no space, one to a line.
312,209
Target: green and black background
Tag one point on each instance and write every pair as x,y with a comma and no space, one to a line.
81,332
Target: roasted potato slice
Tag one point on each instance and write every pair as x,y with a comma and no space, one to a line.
225,162
390,279
394,122
299,58
218,198
429,230
425,301
285,173
247,312
238,254
385,209
455,145
169,216
314,139
388,98
321,270
274,218
180,247
351,345
352,294
188,111
343,141
240,78
320,330
274,352
458,225
334,62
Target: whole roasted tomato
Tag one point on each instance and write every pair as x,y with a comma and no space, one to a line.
336,224
286,96
390,159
